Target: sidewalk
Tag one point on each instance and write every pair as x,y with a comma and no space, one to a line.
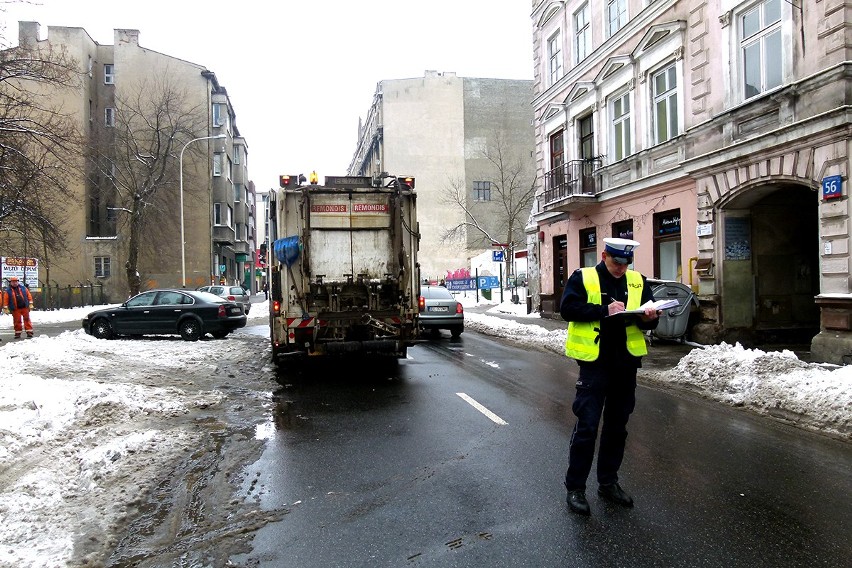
662,354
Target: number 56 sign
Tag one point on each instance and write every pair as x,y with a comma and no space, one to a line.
832,187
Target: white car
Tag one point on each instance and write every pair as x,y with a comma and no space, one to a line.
236,294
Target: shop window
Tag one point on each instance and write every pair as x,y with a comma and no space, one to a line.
667,264
588,247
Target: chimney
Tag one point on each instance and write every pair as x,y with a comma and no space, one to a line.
127,37
28,33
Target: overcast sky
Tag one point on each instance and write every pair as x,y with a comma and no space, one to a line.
301,73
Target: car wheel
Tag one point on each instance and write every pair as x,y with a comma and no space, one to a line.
190,330
101,329
220,334
457,331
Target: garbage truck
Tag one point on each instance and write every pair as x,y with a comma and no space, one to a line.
343,278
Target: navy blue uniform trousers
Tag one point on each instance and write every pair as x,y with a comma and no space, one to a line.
607,392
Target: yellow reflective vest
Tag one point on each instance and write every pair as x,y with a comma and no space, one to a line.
583,339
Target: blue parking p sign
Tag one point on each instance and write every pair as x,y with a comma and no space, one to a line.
497,255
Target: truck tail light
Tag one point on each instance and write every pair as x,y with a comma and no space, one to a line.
421,304
459,308
276,307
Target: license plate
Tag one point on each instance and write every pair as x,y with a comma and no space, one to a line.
236,311
438,309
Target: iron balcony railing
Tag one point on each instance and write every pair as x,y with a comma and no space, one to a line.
573,178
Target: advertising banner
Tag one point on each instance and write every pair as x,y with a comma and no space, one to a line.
25,269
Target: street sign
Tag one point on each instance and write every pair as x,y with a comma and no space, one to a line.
460,285
497,255
487,282
832,187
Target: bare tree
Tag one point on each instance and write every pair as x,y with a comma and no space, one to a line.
501,219
135,163
39,146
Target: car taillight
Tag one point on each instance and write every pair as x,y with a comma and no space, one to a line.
222,312
421,303
459,308
232,298
276,307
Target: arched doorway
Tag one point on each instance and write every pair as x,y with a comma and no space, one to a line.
770,261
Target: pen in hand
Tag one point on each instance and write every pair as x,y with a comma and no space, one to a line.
613,307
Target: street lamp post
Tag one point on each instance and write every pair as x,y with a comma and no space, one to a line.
182,237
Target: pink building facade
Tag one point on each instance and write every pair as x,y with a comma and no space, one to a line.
714,132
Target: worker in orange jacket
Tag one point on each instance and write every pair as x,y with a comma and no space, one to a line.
18,300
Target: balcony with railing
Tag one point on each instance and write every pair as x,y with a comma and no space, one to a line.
572,185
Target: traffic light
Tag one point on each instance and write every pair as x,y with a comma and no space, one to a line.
406,182
261,256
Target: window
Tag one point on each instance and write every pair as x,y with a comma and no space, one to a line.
619,109
587,137
238,151
222,215
760,45
588,247
557,160
220,114
667,264
583,31
560,264
623,229
239,232
554,58
616,15
109,74
238,192
170,298
217,164
482,190
102,267
664,85
109,116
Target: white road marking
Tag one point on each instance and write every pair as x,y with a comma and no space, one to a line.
493,417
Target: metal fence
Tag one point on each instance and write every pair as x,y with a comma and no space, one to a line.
56,297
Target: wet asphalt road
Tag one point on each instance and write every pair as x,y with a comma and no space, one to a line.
399,470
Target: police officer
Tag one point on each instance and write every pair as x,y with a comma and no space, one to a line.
608,346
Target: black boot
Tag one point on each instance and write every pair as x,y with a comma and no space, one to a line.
577,502
615,494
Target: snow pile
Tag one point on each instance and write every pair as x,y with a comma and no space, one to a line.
776,383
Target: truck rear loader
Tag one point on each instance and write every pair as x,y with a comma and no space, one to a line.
344,278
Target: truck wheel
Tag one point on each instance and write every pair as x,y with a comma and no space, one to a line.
190,330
